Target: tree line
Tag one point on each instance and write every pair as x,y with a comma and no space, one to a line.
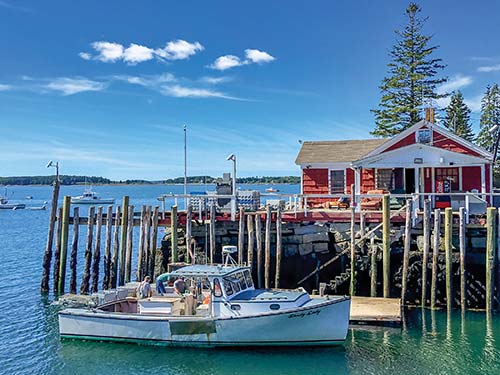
414,79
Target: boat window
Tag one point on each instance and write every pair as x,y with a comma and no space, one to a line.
241,279
274,306
217,288
228,287
235,307
248,279
231,285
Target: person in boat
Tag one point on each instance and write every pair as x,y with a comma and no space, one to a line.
180,286
160,286
144,288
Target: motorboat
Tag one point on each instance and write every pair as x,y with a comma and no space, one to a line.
222,308
272,190
90,197
6,205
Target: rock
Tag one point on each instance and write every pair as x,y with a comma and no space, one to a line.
306,248
321,247
291,250
309,229
316,237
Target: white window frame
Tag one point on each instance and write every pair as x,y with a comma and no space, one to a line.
330,179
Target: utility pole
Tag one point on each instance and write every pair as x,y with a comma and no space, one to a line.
185,166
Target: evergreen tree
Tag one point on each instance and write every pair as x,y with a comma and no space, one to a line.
490,116
411,77
458,117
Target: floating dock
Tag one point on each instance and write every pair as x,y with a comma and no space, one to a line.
376,311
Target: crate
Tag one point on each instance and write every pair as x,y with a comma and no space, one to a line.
248,199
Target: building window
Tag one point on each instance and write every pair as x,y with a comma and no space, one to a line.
424,136
337,182
385,179
449,178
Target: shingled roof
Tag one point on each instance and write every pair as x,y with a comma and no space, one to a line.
336,151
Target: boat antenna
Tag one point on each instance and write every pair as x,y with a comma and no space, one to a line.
185,166
227,251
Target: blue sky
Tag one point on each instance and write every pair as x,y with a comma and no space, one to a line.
105,87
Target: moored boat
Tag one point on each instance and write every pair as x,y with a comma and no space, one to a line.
233,313
90,197
6,205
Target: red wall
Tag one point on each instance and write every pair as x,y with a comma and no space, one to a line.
406,141
471,178
448,144
315,181
427,180
367,180
349,179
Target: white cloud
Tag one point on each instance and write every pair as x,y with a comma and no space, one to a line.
108,52
488,69
151,81
226,62
474,103
190,92
455,83
5,87
214,80
85,55
258,57
179,50
136,54
70,86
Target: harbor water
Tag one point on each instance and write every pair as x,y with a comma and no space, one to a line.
428,343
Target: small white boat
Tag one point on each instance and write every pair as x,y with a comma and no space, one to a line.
90,197
236,314
272,190
5,205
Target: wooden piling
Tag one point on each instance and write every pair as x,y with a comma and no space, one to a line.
154,239
212,233
406,252
426,248
107,248
463,276
362,231
47,258
97,252
189,213
241,236
258,241
173,233
74,250
386,245
448,217
64,244
373,267
130,243
490,254
279,247
84,286
435,254
123,239
116,249
352,285
251,234
57,252
140,251
267,248
147,241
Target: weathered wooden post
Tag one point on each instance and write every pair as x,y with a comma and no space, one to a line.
241,235
64,244
57,252
173,233
362,231
47,258
130,244
267,248
116,249
97,252
84,286
74,250
373,267
463,276
147,242
258,241
426,248
490,254
435,254
278,247
448,220
140,250
251,234
212,232
107,248
386,245
123,239
406,251
352,285
189,213
154,238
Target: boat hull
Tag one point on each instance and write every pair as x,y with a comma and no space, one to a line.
320,324
92,201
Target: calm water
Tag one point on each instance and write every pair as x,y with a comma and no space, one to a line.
429,344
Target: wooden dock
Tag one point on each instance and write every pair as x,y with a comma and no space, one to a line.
376,311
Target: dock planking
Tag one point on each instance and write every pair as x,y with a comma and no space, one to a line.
375,311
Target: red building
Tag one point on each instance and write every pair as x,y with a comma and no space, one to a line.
425,158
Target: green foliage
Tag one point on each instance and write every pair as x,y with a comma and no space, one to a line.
411,77
490,116
240,180
457,117
48,180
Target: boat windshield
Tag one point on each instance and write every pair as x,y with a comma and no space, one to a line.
237,282
248,279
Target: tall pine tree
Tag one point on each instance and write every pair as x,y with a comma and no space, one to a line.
458,117
411,78
490,116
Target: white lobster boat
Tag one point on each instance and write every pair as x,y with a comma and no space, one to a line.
90,197
237,314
